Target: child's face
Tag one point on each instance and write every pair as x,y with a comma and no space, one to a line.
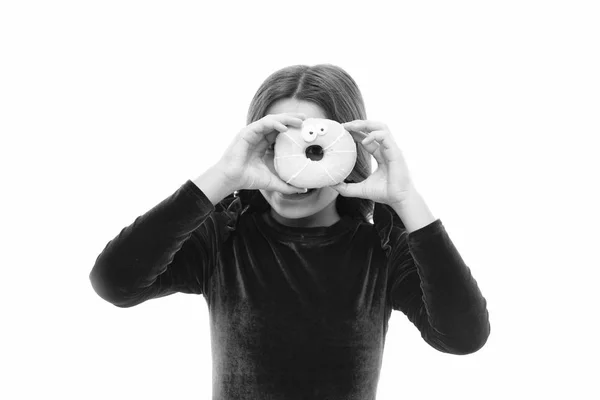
319,206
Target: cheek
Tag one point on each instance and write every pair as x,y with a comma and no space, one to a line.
325,197
328,194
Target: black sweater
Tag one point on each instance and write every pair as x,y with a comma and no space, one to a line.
295,313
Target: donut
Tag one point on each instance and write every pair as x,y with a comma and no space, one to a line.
321,153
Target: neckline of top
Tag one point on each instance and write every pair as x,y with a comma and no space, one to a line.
266,220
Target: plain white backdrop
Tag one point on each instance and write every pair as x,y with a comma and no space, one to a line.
107,108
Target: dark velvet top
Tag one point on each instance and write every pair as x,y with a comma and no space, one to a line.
295,313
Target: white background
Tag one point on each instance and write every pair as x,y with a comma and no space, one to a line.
108,107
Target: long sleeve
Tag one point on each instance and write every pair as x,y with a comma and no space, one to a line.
171,248
430,283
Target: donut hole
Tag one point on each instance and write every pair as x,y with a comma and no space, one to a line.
314,152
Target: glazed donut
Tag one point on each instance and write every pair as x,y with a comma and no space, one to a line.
321,153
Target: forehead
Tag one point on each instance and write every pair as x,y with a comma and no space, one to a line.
296,106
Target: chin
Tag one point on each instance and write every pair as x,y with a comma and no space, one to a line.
301,208
295,212
289,215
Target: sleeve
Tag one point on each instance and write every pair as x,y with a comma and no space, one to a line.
171,248
429,282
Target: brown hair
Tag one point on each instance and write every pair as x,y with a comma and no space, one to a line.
334,90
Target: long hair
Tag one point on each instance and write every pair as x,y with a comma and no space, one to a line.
334,90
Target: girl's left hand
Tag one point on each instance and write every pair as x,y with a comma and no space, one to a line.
391,183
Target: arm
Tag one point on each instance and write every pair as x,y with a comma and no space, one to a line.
430,283
414,213
171,248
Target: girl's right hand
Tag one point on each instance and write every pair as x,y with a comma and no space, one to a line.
243,163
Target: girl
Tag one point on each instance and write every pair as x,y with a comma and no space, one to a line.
300,288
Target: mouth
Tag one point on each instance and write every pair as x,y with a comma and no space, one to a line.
298,196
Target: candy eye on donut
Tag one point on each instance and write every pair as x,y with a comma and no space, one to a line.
309,133
321,129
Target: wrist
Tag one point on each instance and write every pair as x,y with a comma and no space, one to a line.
214,184
229,185
414,212
411,196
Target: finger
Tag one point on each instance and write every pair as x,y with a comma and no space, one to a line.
388,148
280,126
364,125
295,115
294,120
275,183
276,128
262,146
291,119
339,188
351,189
271,137
256,131
375,137
278,122
374,149
271,123
384,138
358,136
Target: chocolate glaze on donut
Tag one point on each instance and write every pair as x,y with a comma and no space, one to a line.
321,153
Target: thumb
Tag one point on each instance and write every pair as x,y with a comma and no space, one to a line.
350,189
280,186
341,188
